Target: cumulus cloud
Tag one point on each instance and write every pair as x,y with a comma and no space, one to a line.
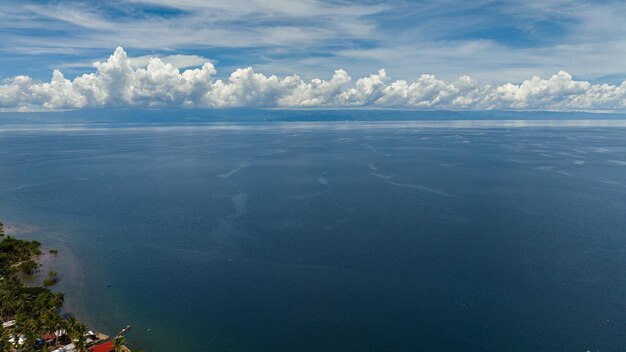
180,61
118,83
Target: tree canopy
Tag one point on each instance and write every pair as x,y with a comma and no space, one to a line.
34,310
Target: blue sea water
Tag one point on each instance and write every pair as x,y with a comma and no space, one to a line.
332,236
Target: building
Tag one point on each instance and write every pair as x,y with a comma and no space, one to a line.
103,347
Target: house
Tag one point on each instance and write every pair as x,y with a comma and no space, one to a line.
103,347
66,348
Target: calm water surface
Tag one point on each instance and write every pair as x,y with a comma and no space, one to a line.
332,236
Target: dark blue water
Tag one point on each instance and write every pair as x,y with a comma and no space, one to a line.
332,236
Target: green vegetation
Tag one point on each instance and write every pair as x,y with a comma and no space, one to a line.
118,343
52,279
28,266
77,331
5,345
18,255
34,309
33,312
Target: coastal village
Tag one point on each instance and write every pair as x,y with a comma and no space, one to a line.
30,314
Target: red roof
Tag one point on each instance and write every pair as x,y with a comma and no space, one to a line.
103,347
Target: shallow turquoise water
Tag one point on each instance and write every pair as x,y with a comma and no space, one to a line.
483,236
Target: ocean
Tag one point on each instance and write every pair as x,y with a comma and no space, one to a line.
331,236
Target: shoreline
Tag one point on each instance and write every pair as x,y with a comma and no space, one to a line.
46,260
64,261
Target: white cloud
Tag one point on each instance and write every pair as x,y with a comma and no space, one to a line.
180,61
231,24
117,83
484,38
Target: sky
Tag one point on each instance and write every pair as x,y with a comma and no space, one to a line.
467,55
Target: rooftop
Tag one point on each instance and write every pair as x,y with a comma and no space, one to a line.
103,347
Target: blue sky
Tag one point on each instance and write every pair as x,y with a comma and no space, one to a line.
495,40
491,41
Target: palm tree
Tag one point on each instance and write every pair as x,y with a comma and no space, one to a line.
10,297
76,331
118,343
79,339
72,323
58,324
23,326
5,345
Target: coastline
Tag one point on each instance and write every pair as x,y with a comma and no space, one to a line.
65,263
71,277
46,264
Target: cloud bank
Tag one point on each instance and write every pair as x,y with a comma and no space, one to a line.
117,83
